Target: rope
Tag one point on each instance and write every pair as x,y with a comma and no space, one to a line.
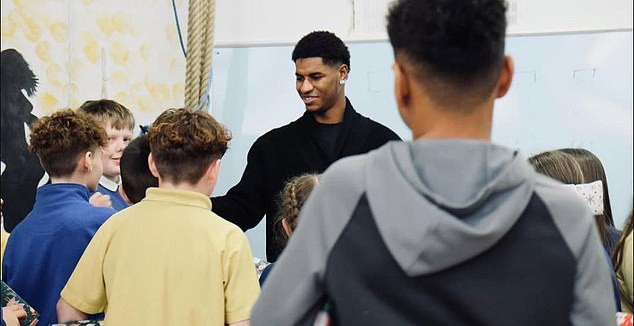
200,41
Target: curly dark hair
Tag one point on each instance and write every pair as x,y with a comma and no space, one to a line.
183,144
324,45
457,45
60,139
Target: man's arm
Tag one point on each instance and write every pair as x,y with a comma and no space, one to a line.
67,313
245,204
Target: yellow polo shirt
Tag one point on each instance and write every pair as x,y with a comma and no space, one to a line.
167,260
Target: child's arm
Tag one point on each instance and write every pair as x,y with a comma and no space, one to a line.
68,313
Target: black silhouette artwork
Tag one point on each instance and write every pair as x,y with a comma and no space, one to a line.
21,169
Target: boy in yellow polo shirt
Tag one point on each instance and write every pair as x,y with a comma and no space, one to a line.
169,260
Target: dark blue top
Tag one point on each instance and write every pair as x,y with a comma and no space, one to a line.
44,248
115,197
265,273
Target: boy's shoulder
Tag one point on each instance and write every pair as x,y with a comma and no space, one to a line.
88,216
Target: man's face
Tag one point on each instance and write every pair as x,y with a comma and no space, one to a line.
118,140
318,84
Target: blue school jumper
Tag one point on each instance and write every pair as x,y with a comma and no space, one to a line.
44,248
110,188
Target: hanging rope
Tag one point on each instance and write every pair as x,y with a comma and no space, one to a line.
200,42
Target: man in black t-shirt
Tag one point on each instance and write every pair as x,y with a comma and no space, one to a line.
329,130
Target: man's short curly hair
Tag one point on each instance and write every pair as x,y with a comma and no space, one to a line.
324,45
183,144
61,139
457,45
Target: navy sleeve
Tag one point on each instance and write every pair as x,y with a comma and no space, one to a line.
265,273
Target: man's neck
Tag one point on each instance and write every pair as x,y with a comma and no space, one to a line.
334,115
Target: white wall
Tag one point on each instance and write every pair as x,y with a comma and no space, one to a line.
282,22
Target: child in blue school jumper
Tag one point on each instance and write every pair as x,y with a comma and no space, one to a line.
44,248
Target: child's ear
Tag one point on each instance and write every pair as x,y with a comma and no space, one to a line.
287,228
402,91
153,169
506,77
214,170
86,161
124,195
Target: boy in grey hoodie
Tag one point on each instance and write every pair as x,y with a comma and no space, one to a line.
448,229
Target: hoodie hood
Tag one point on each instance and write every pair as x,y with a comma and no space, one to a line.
457,197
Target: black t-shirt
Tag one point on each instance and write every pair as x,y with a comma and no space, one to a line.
327,135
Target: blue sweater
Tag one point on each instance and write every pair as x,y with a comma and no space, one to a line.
115,197
45,247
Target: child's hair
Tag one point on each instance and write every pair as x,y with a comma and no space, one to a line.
58,140
184,143
558,165
593,171
617,254
136,176
105,111
455,47
293,197
563,167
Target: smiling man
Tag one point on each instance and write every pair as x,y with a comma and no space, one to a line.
329,130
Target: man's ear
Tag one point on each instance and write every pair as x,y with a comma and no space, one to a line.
152,166
506,77
343,71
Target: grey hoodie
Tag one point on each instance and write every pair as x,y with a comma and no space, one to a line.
442,232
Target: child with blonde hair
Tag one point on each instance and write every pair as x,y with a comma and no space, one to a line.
291,200
118,122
